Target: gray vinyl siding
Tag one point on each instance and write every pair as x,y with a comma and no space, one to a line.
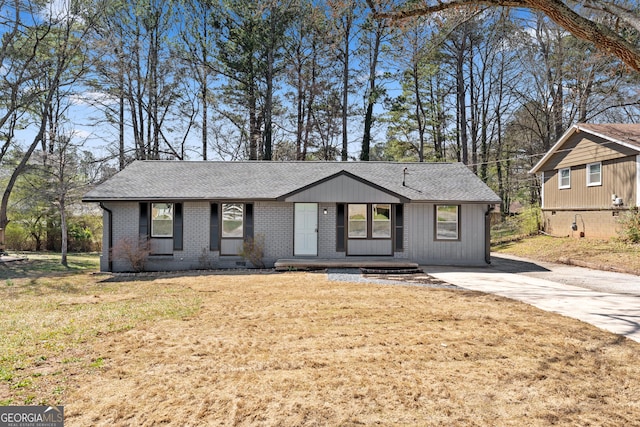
343,189
424,249
372,247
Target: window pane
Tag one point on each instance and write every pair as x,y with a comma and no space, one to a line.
357,229
358,221
381,221
447,230
565,178
162,220
447,222
593,174
232,216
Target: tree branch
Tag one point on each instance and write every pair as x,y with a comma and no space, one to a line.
600,35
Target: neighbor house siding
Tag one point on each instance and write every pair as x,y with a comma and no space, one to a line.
618,177
582,148
425,249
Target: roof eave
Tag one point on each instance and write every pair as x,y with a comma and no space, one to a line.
553,149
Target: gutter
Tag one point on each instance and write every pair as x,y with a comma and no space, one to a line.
487,234
110,237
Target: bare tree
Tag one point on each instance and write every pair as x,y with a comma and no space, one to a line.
572,16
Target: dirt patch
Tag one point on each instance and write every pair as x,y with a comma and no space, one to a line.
296,349
98,299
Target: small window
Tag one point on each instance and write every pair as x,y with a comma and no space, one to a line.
162,220
564,178
594,174
232,220
447,224
358,221
381,221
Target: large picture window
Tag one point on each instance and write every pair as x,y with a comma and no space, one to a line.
381,221
162,220
594,174
447,222
564,178
232,220
357,221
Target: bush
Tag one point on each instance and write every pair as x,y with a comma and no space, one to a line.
133,250
526,223
630,222
253,251
17,238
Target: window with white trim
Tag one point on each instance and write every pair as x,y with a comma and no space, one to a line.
564,178
594,174
162,220
447,222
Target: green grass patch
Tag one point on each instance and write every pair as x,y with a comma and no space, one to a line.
51,316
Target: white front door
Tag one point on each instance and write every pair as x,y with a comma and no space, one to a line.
306,229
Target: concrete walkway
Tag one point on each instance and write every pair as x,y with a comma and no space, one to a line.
608,300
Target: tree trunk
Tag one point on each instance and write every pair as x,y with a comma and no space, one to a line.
63,231
372,94
462,108
345,89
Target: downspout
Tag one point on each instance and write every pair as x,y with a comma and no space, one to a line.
110,236
487,234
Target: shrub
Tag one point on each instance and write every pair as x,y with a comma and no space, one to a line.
133,250
18,239
526,223
630,222
253,251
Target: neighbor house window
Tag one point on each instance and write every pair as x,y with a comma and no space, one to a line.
232,220
162,220
357,221
564,178
594,174
447,222
381,215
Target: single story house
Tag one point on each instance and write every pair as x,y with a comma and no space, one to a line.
197,214
589,178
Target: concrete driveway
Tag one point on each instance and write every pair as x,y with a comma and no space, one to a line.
608,300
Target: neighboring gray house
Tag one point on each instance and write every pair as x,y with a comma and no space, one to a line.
197,214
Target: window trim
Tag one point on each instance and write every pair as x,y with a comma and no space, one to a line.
436,222
152,234
588,173
560,185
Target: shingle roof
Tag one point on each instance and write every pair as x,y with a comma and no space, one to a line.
624,134
199,180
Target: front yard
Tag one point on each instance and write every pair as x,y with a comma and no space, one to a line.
297,349
601,254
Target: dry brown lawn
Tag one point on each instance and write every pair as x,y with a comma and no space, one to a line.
597,253
297,349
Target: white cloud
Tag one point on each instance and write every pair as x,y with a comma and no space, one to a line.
93,98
